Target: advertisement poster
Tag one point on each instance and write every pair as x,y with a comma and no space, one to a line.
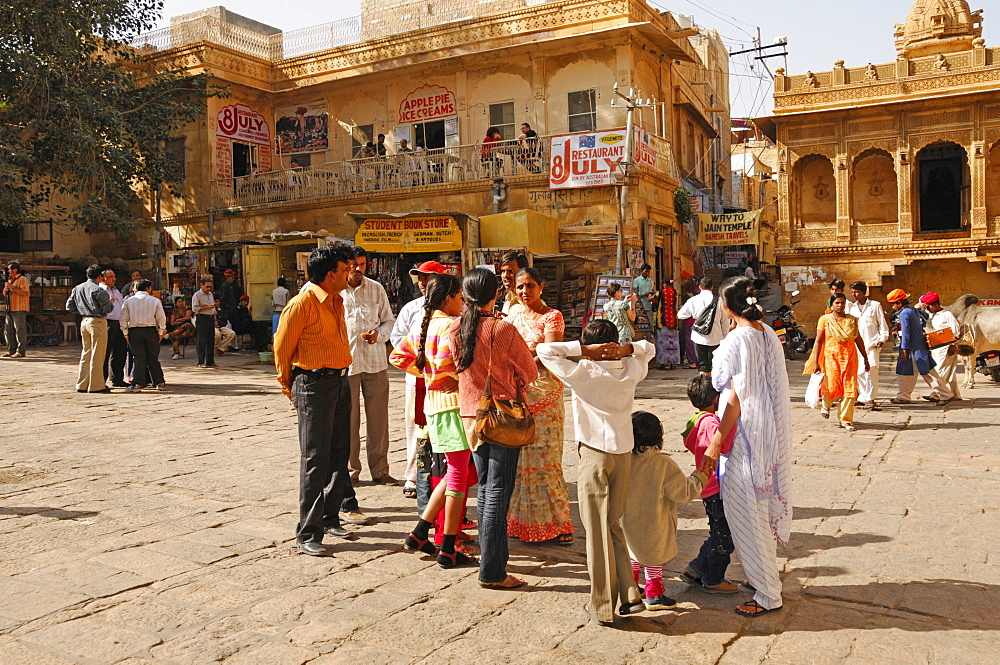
585,160
643,151
239,122
420,234
302,128
738,228
428,102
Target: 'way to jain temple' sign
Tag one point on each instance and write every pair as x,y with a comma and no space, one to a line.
737,228
420,234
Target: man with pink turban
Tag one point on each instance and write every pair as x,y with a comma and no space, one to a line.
945,357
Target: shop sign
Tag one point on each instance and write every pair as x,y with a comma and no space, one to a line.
239,122
738,228
585,160
989,302
414,234
428,102
223,159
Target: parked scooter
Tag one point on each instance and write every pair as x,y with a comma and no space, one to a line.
788,330
988,363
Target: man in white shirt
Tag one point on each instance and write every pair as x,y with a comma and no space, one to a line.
114,355
603,376
412,313
705,344
945,358
369,322
144,325
279,298
874,331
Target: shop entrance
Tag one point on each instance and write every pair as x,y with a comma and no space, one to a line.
245,159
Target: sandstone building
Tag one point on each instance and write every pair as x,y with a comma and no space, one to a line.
890,172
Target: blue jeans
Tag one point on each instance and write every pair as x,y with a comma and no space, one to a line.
274,322
713,559
497,469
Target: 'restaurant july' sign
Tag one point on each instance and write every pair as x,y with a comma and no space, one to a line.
585,160
239,122
738,228
415,234
428,102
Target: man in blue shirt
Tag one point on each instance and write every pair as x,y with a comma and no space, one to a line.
914,356
643,287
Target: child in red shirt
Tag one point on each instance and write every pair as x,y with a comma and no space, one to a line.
708,569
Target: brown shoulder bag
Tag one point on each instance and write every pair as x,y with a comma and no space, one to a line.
503,422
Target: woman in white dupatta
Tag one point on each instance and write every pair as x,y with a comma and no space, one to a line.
749,371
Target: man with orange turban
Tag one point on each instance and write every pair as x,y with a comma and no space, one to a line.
914,356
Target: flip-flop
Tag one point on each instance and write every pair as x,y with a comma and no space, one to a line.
410,492
565,539
757,607
510,582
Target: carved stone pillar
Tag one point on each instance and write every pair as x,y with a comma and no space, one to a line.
839,73
784,221
977,171
904,169
842,174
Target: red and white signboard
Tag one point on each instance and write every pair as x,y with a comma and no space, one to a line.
223,159
989,302
585,160
428,102
239,122
643,150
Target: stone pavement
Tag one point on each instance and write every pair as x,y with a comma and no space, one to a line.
157,528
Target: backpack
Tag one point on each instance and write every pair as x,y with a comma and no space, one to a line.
705,321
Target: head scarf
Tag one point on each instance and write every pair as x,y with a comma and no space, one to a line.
896,295
930,298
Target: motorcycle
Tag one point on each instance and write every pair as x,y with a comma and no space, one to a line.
788,330
988,363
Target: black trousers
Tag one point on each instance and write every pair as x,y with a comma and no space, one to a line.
323,404
205,338
114,356
144,343
704,354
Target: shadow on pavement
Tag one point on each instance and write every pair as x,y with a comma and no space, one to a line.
56,513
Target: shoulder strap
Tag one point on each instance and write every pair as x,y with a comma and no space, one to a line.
488,386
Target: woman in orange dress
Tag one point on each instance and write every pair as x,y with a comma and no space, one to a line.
836,356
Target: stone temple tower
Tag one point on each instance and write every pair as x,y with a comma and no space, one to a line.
937,27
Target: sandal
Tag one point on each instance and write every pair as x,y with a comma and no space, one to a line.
719,588
510,583
849,427
454,559
415,544
565,539
410,492
746,585
468,524
755,609
825,412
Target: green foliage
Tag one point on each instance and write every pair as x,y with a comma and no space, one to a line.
81,115
682,205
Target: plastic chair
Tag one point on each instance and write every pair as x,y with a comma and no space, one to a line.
70,331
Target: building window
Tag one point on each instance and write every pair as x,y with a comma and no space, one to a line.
176,156
360,136
32,237
502,117
582,111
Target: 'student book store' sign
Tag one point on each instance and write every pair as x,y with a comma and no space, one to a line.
414,234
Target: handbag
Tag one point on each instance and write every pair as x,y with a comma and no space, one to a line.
705,321
503,422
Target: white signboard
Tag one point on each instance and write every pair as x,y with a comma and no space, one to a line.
239,122
585,160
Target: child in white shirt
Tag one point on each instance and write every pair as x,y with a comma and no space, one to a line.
603,375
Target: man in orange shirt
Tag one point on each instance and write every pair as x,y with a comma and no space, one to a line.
16,291
313,355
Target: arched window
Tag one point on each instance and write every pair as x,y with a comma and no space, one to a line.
943,187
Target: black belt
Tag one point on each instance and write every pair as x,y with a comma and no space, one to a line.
321,372
142,328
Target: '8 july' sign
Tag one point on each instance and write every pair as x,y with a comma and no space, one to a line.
585,160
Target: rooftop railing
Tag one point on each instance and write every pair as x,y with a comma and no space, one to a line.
402,18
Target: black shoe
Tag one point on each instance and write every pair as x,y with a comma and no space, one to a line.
632,608
338,532
312,548
120,385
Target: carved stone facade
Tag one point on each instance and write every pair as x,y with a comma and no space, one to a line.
913,148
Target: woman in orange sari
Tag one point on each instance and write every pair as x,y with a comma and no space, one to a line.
836,356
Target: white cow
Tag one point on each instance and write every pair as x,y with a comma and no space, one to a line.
984,322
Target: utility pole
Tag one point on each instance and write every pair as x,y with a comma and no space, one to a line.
632,102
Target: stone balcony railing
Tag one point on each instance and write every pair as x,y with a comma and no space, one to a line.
952,72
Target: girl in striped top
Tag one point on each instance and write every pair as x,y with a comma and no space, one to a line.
426,352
